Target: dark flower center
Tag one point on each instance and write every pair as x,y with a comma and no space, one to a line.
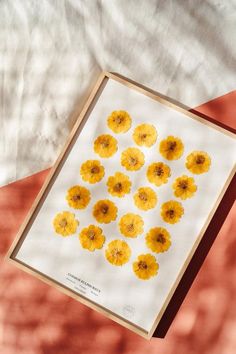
160,238
143,136
158,171
104,209
105,143
76,197
170,213
183,185
116,252
130,227
91,234
172,145
119,119
118,187
95,169
200,159
142,265
143,196
133,161
63,223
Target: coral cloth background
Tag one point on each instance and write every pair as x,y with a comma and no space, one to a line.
37,319
51,53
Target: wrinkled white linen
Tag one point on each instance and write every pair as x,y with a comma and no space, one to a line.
51,53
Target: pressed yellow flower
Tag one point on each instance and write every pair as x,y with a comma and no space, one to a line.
92,171
158,239
65,223
158,173
145,266
105,211
145,135
184,187
105,145
171,148
92,238
119,121
119,184
132,159
131,225
78,197
145,198
118,252
172,211
198,162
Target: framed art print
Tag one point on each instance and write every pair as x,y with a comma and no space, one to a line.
127,203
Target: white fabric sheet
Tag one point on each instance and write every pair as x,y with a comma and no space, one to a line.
51,53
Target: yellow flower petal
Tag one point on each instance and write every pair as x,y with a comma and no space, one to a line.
145,198
158,239
78,197
118,252
132,159
92,238
158,173
105,211
119,184
171,148
119,121
92,171
131,225
172,211
198,162
105,145
145,135
145,266
65,223
184,187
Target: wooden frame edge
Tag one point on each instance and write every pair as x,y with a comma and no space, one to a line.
10,256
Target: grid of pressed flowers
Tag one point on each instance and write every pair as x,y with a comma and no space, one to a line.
131,225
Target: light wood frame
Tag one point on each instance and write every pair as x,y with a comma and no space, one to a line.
25,227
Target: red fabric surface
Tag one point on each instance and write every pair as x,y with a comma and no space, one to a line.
37,319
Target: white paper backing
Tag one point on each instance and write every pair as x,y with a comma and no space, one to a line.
121,291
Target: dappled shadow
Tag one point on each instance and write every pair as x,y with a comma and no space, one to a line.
38,319
54,70
51,53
